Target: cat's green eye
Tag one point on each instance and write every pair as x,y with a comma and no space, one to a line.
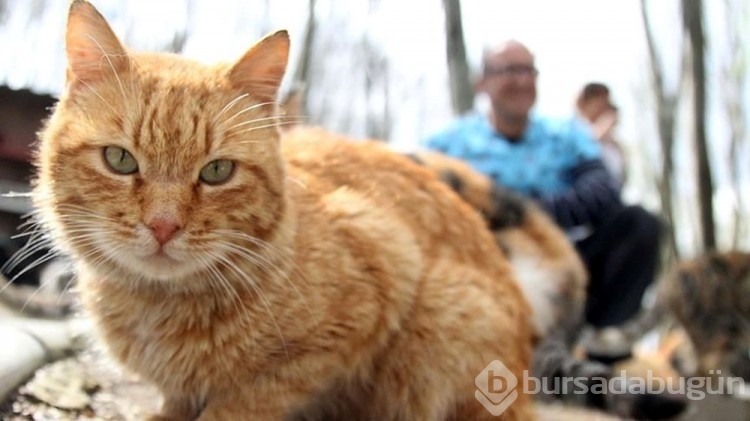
120,160
217,172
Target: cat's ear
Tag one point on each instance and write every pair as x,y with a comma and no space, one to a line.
260,70
93,50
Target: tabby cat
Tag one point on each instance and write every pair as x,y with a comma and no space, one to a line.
707,297
250,277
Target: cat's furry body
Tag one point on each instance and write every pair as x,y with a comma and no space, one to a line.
323,279
550,272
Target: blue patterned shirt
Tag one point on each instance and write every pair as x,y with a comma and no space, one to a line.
537,164
557,162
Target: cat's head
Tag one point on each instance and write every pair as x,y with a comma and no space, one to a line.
156,165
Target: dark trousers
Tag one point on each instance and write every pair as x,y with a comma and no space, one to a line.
621,257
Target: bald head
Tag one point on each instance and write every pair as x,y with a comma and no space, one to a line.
507,51
509,79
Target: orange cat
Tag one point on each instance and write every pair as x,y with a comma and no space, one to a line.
548,267
250,278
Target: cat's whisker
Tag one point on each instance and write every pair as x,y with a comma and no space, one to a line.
83,218
51,254
23,234
275,272
266,126
289,119
297,181
254,259
226,287
245,280
96,257
34,232
69,267
215,275
242,235
97,94
255,241
80,210
111,66
43,285
90,241
21,256
87,236
229,106
32,246
244,110
6,284
258,120
30,223
98,254
257,259
80,228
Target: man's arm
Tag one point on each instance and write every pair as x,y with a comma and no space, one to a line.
593,196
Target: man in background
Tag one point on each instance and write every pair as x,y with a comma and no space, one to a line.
559,164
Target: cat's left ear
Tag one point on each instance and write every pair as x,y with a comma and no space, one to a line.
93,50
260,70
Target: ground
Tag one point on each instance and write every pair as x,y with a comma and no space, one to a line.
83,387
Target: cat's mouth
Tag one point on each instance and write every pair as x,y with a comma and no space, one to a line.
162,258
169,262
163,266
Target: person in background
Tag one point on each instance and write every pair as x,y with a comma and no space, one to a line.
559,164
595,107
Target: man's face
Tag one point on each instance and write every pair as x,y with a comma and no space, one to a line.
510,80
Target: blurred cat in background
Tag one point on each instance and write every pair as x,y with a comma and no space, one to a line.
702,304
554,279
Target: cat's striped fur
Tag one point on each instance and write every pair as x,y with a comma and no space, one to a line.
316,278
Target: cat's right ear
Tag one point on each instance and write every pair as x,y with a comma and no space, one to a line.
93,50
260,70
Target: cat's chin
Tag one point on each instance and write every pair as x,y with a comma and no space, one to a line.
161,268
165,268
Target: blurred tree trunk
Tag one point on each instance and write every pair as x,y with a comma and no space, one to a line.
377,94
180,36
462,92
377,123
735,81
666,110
302,71
692,14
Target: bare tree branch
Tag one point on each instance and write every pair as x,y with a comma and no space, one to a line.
666,109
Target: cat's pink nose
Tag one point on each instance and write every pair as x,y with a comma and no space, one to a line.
163,229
